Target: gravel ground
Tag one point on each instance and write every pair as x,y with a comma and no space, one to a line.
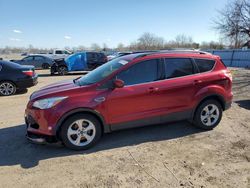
172,155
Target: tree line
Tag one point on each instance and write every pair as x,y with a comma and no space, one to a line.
147,41
232,22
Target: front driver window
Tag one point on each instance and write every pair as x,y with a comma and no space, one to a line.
142,72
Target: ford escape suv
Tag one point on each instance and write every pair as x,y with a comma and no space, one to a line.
131,91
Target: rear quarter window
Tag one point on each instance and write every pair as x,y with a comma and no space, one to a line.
205,65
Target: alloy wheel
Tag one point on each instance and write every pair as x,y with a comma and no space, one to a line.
7,88
81,132
210,115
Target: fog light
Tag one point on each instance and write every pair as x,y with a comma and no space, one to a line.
49,128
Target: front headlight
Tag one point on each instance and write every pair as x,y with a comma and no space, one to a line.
48,103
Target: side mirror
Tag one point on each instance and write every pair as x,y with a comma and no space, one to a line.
118,83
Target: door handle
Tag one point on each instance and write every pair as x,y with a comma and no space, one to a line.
197,82
153,89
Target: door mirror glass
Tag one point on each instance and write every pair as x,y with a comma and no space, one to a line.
118,83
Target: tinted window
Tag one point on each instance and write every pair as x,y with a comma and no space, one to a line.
205,65
90,55
39,58
59,52
178,67
142,72
30,58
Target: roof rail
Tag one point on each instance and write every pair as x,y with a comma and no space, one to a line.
184,51
172,51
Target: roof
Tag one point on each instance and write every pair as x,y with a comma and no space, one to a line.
168,52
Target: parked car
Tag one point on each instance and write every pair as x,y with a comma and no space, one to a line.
15,77
131,91
81,61
38,61
58,53
117,54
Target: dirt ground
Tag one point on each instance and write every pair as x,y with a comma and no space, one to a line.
171,155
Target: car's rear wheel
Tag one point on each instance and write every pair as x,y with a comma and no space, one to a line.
208,115
62,70
7,88
45,66
80,131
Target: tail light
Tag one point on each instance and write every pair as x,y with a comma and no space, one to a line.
29,73
229,74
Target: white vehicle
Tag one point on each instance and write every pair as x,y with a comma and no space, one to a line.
58,54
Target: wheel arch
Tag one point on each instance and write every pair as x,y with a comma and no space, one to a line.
46,63
216,97
13,82
97,115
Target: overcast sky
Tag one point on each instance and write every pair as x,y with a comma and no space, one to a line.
59,23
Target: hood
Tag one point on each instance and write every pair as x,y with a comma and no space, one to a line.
54,89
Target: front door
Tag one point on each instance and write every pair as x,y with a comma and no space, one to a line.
138,99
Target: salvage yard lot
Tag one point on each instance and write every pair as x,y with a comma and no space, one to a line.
171,155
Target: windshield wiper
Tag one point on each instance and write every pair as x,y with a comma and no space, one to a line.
74,80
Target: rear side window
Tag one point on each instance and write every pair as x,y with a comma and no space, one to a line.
205,65
29,58
39,58
178,67
143,72
58,52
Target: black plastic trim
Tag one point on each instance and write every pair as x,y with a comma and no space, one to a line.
106,127
172,117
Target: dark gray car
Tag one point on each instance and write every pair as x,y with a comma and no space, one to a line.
38,61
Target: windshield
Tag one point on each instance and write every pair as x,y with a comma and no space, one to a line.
102,72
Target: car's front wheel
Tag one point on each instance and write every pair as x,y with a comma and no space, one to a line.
80,132
208,115
7,88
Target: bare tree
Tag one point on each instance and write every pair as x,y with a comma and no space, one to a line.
95,47
120,47
183,41
233,22
211,45
149,41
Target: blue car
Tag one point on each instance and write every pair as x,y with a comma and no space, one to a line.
81,61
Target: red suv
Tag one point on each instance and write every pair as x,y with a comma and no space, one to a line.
131,91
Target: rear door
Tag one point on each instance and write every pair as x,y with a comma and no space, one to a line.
138,99
178,88
39,61
92,59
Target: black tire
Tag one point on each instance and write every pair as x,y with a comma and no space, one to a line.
45,66
200,113
10,86
62,70
69,123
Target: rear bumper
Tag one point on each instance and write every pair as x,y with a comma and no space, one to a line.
228,105
28,82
